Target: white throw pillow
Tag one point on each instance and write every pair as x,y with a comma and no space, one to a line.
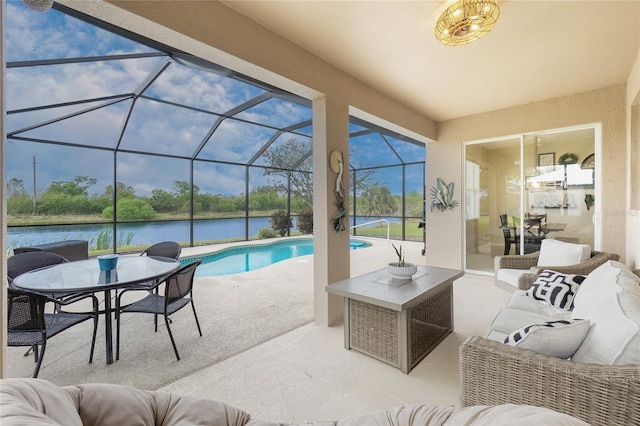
560,338
559,253
556,288
610,298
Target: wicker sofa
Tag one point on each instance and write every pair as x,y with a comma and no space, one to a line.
513,272
39,402
599,392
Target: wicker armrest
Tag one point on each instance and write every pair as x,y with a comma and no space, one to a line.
526,280
493,373
584,268
524,261
597,258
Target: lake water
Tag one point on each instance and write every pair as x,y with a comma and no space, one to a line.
143,233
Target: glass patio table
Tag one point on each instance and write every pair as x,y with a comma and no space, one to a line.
85,276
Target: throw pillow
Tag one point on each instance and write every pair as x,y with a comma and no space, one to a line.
560,338
558,253
556,288
610,299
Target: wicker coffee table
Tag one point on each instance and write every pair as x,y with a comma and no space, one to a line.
397,322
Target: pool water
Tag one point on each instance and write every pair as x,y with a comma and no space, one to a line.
251,257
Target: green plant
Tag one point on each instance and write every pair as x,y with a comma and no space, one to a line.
589,200
103,240
399,253
568,158
125,238
281,222
130,209
305,221
266,233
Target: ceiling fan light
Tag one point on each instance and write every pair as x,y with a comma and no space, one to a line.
466,21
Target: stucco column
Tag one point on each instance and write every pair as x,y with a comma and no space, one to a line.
331,250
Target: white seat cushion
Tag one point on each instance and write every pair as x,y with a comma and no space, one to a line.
497,336
509,320
510,276
558,253
610,298
520,300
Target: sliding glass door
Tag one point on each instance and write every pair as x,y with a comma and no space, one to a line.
523,189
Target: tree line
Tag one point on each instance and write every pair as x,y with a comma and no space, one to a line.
73,197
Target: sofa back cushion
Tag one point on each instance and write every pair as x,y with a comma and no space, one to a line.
610,298
479,415
36,402
110,404
558,253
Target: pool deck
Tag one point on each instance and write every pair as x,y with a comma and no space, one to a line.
236,312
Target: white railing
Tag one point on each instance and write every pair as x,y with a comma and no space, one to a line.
372,222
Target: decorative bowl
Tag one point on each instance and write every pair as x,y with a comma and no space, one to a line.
402,272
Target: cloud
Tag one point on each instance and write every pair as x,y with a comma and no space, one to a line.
57,163
32,35
153,127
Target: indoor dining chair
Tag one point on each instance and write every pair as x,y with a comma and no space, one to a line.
29,325
178,293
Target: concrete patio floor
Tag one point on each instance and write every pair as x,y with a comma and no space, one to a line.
262,352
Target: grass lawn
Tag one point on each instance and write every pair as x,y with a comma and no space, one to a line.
412,232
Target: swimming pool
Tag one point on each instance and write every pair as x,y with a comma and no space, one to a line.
251,257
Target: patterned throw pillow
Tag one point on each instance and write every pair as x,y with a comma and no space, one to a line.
556,288
560,338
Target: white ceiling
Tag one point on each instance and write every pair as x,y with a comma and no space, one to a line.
537,50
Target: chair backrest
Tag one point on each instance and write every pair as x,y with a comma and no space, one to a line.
25,312
503,220
31,260
180,283
506,231
169,249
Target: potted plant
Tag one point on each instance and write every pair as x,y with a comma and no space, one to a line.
401,270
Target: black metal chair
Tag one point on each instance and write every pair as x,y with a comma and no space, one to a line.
509,235
30,261
164,249
509,239
29,325
178,293
169,249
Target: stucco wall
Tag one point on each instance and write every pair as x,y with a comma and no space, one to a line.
605,106
633,150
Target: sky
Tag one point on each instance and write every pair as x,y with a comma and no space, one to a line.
153,126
